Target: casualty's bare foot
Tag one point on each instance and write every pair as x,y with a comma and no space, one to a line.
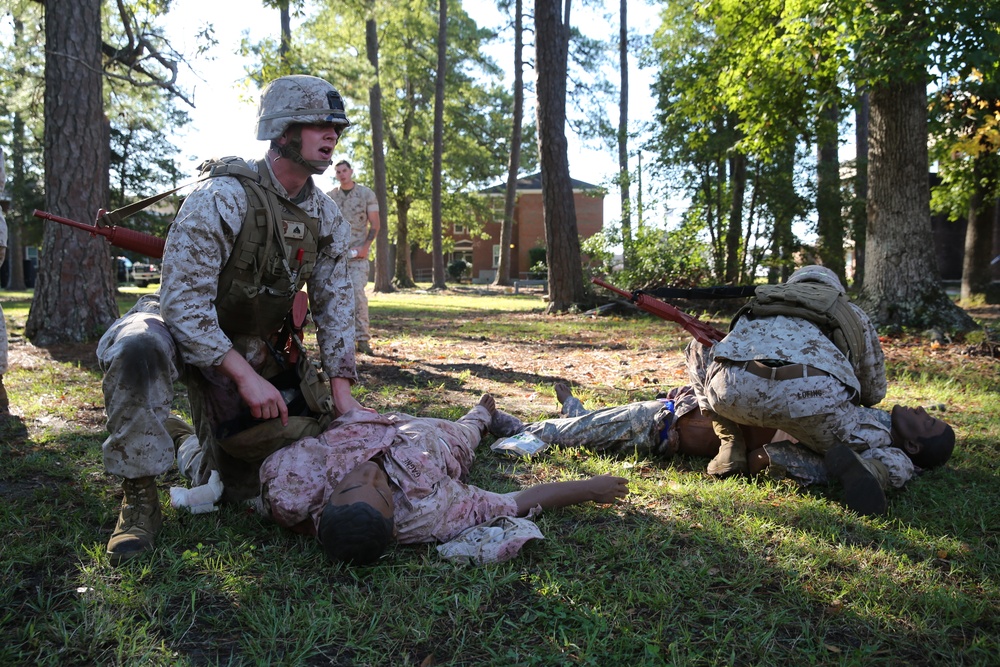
562,392
490,403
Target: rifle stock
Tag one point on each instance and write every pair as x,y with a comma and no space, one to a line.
120,237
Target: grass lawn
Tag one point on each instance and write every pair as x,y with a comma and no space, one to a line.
686,571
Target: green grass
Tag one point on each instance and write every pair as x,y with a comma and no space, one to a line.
687,571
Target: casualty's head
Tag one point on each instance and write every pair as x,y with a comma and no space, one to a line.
927,440
295,108
357,523
814,273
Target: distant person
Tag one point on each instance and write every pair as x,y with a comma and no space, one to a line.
373,479
4,401
242,246
360,207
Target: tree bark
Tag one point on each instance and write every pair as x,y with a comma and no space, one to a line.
514,165
902,285
559,210
859,215
830,222
404,265
383,266
15,253
437,255
623,172
738,185
976,269
74,296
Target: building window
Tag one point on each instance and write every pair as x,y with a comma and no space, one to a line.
460,229
496,255
496,206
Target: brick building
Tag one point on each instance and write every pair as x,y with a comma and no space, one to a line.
528,231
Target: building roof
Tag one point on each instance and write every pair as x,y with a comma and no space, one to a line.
534,182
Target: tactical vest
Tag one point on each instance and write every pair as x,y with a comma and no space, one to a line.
825,306
272,258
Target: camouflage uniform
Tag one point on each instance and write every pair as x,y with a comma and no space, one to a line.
820,410
176,335
425,459
636,428
356,204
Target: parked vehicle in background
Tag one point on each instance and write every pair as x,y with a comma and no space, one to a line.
144,274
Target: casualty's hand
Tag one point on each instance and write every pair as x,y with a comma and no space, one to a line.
607,488
340,388
263,399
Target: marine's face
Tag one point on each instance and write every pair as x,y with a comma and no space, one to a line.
368,484
318,142
344,174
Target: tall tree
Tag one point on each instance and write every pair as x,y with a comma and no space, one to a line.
859,214
442,49
623,171
64,307
902,285
476,110
510,193
383,267
562,241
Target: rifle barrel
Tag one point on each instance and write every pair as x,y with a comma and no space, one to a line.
120,237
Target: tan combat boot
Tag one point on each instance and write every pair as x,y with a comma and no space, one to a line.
732,456
139,522
864,480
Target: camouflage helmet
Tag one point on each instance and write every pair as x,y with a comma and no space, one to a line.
298,99
814,273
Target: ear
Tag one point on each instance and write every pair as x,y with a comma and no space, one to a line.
910,447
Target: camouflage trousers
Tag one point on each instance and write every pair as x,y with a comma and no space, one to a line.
628,429
3,343
141,364
358,272
817,411
792,460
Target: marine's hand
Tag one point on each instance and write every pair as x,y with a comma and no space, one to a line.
261,397
342,398
607,488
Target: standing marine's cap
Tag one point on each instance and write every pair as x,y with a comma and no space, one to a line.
298,99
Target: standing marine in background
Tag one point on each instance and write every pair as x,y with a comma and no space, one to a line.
243,244
360,207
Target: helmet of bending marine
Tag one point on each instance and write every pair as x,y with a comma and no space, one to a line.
298,98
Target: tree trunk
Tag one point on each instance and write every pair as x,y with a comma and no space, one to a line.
383,265
404,265
513,167
559,210
75,293
286,35
623,173
902,286
976,269
738,185
437,255
18,209
830,223
859,215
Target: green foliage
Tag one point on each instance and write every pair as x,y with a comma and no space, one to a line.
660,258
459,269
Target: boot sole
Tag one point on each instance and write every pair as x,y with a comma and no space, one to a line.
862,492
